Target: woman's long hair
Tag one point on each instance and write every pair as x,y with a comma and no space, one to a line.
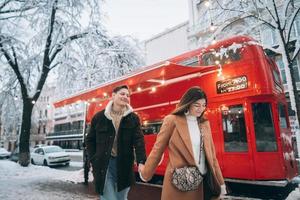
190,96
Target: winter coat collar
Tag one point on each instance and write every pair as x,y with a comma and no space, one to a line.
109,107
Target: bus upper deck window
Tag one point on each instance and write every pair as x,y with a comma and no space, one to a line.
152,128
222,56
234,55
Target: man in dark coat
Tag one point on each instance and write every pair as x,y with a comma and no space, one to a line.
114,136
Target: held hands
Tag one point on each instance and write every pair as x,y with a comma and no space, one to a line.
141,167
223,190
141,170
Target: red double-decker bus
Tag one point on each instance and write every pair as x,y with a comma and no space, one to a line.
247,108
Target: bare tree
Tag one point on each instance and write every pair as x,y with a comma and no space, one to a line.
54,25
277,15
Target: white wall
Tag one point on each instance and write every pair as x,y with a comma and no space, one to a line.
167,44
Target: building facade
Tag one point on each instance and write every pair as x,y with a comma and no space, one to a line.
165,45
68,126
8,138
42,116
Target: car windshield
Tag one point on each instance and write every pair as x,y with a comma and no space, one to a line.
53,149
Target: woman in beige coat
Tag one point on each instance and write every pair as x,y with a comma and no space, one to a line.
182,132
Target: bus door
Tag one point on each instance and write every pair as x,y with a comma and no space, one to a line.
237,152
286,141
267,154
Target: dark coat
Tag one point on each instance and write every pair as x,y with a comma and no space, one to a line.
99,143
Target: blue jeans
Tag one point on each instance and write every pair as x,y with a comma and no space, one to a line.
110,191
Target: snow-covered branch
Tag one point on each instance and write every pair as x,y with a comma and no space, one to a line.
285,12
276,50
271,14
15,10
296,51
49,36
291,22
14,66
61,45
55,65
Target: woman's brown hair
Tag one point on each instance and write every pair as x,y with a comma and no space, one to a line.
189,97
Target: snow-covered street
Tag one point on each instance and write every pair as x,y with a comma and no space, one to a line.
37,183
44,183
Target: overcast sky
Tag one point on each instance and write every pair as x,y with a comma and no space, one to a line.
144,18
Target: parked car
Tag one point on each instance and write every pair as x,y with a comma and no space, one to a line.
4,153
15,155
50,156
39,145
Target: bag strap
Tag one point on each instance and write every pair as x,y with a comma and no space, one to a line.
201,149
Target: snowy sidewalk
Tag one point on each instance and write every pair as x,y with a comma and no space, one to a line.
39,183
44,183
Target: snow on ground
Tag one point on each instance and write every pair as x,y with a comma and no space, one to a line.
76,164
74,153
39,182
44,183
294,195
10,169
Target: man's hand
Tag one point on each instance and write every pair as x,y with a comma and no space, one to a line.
141,170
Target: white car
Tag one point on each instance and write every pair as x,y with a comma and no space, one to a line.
4,153
50,156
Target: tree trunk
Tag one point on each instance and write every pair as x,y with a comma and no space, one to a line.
296,95
24,154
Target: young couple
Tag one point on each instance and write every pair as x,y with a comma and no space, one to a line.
115,135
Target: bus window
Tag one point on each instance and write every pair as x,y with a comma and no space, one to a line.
193,61
282,116
151,128
234,129
264,127
215,58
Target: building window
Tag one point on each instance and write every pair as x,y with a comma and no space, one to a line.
296,70
46,113
216,57
269,37
279,62
296,28
41,114
44,129
282,116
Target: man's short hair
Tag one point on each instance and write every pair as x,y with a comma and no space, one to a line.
118,88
